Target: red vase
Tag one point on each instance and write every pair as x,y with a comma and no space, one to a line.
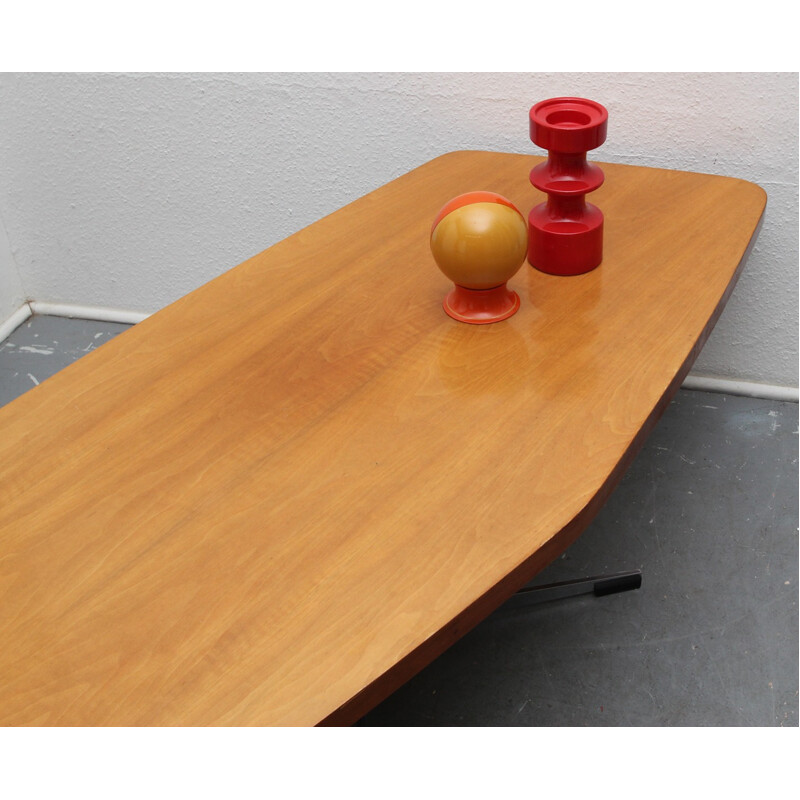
565,234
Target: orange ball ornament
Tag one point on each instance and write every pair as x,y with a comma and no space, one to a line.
479,240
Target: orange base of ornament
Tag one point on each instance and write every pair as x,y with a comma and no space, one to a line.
481,306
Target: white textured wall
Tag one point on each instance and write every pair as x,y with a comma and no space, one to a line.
12,295
130,190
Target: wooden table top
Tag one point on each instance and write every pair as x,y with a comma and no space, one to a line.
275,500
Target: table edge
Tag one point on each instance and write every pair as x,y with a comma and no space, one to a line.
540,156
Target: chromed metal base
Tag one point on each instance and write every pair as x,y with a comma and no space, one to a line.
599,585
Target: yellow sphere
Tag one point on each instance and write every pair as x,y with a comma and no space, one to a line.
479,245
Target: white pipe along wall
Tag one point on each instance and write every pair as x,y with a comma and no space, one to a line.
126,191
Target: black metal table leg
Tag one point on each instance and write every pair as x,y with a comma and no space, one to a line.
599,585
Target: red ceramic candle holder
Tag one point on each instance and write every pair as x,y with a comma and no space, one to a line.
565,234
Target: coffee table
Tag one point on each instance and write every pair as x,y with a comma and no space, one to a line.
274,501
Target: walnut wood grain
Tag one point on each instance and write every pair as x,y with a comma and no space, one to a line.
275,500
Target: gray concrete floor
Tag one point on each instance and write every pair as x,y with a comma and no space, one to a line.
42,346
709,513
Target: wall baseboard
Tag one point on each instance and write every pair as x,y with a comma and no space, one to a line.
764,391
88,312
695,382
8,326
